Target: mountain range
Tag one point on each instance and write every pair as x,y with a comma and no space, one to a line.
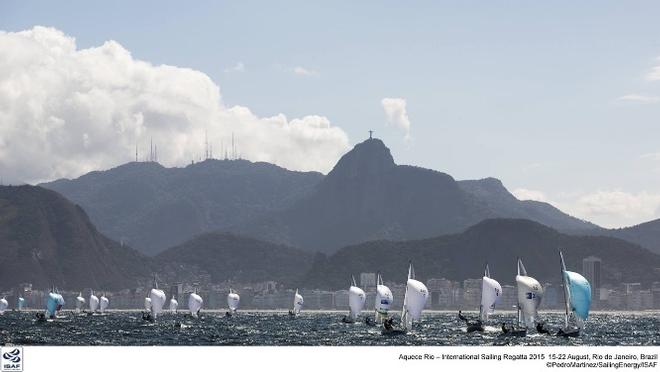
366,196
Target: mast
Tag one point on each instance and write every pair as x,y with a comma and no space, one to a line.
566,290
520,265
481,304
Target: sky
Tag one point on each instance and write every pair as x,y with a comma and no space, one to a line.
560,100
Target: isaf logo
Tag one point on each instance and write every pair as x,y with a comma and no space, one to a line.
12,359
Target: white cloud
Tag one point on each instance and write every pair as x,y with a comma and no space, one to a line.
302,71
66,111
654,74
238,67
526,194
617,208
395,112
607,208
640,98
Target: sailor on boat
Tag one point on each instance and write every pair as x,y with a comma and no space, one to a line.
540,328
472,325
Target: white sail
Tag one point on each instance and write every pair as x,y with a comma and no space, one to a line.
3,305
80,301
93,302
104,303
233,299
530,293
21,303
297,302
157,298
356,299
384,300
414,299
147,303
194,303
491,291
174,304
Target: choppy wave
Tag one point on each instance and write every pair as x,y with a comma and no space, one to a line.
312,328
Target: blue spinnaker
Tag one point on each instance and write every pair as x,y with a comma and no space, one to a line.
580,294
54,303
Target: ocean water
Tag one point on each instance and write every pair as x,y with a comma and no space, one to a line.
309,328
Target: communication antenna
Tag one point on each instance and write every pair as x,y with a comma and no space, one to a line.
371,132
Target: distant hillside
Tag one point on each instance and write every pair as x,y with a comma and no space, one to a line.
48,241
152,207
498,242
502,203
368,197
646,234
227,257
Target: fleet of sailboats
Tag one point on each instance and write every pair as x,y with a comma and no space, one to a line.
576,291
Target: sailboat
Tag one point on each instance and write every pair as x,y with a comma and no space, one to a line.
356,299
3,305
93,302
384,300
577,300
414,300
491,290
21,304
297,304
104,303
80,301
530,293
157,300
54,304
174,304
195,304
490,293
233,299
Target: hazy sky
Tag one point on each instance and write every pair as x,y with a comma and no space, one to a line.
559,100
